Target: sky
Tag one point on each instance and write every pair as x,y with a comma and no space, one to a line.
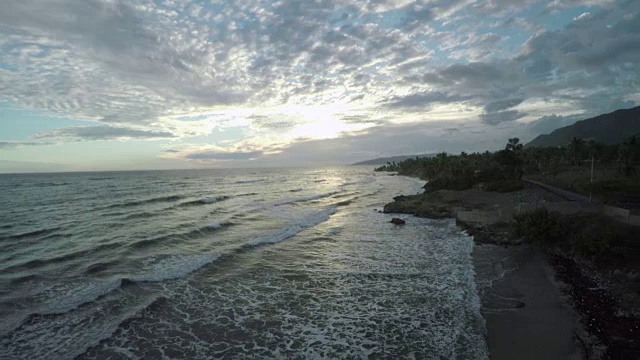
161,84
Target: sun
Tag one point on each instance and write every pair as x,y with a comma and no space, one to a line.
319,122
326,128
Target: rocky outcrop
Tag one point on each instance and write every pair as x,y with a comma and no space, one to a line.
398,221
426,206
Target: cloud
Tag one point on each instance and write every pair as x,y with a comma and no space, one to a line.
174,70
499,105
548,123
495,118
87,133
574,3
422,101
215,155
9,145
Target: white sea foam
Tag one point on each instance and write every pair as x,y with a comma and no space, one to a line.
63,297
309,221
211,200
66,336
172,267
215,225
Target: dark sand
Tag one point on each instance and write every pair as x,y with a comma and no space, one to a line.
526,315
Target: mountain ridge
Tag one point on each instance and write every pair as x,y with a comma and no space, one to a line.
611,128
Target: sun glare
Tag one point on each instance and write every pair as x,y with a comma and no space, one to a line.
321,122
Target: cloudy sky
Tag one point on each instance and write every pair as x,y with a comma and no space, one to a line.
145,84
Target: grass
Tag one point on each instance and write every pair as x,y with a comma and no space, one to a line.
591,236
607,183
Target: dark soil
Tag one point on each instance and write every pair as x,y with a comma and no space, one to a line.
598,308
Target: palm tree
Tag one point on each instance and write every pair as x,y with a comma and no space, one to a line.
513,145
576,149
626,157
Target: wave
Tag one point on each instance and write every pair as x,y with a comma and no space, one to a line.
345,202
247,194
54,340
173,267
292,230
99,267
66,297
147,201
218,225
307,199
318,197
49,184
35,233
205,201
295,190
140,215
23,279
249,181
365,181
7,226
36,263
127,316
62,298
177,237
340,196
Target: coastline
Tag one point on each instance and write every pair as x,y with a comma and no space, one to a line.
526,309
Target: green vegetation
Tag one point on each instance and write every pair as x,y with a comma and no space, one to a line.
594,237
464,171
614,168
540,227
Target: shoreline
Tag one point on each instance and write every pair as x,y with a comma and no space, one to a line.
531,298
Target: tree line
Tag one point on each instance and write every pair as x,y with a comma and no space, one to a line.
504,168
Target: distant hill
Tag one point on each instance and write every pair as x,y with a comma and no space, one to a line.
385,160
609,129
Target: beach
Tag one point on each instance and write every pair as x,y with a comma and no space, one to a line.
527,310
523,306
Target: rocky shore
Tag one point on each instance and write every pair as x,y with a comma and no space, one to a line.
536,303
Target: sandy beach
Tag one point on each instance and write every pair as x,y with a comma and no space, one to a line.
524,309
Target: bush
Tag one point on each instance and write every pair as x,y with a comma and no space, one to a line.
540,227
503,186
448,183
590,245
594,238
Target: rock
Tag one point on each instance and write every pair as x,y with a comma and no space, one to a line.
397,221
617,272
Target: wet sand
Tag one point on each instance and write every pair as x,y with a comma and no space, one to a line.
527,316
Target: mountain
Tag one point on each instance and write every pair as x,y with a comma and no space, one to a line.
609,129
385,160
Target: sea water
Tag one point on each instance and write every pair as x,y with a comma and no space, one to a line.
260,263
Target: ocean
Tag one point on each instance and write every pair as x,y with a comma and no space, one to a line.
241,263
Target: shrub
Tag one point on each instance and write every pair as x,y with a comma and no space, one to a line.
503,186
540,227
448,183
590,244
593,237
